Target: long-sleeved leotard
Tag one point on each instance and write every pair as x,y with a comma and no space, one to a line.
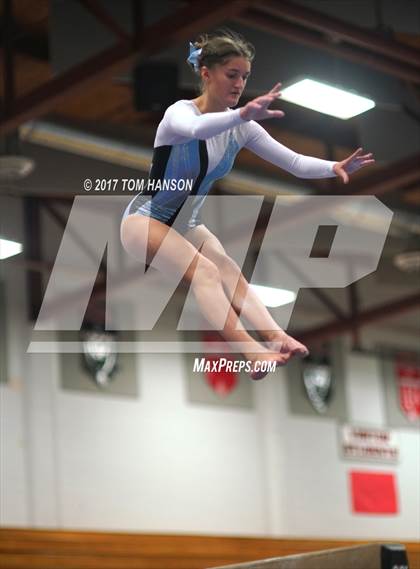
200,149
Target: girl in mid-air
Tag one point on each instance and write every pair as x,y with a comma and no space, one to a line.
198,140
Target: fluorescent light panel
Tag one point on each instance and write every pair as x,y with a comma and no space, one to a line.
326,99
9,248
273,297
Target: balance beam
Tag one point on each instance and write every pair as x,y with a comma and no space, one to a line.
373,556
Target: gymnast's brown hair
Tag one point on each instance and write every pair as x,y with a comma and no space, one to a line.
219,47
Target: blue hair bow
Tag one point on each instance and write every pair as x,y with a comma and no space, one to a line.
194,55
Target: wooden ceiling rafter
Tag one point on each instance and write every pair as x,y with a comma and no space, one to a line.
388,179
339,31
99,12
313,39
31,19
364,318
176,27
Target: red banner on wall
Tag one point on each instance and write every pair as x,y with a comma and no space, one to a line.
222,381
373,492
408,380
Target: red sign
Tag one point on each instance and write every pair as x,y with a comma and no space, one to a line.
222,381
373,492
220,378
408,380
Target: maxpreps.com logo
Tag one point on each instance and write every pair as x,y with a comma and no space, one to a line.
204,365
136,296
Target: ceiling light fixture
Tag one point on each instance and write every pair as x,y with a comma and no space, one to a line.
273,297
326,99
9,248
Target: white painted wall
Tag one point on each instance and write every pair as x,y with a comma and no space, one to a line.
308,481
161,464
158,463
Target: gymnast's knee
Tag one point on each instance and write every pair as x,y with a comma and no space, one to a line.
205,273
226,264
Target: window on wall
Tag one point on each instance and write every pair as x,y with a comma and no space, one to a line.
3,374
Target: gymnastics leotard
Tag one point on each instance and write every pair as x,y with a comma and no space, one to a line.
201,148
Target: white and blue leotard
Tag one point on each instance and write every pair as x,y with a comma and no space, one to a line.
200,149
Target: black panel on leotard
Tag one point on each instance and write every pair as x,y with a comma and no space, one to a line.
161,156
204,162
160,161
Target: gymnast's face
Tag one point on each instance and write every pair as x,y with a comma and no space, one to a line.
224,83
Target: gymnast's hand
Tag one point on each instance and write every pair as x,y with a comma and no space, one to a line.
257,108
354,162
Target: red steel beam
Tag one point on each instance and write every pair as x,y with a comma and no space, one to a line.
108,21
174,28
365,318
391,178
337,30
33,252
313,39
8,57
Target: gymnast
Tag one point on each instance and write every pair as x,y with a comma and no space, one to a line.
198,140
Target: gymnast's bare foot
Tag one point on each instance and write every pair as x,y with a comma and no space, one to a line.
260,361
285,344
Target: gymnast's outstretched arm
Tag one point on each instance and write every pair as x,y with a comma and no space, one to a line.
265,146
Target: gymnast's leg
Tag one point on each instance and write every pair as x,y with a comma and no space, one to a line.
203,275
244,300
